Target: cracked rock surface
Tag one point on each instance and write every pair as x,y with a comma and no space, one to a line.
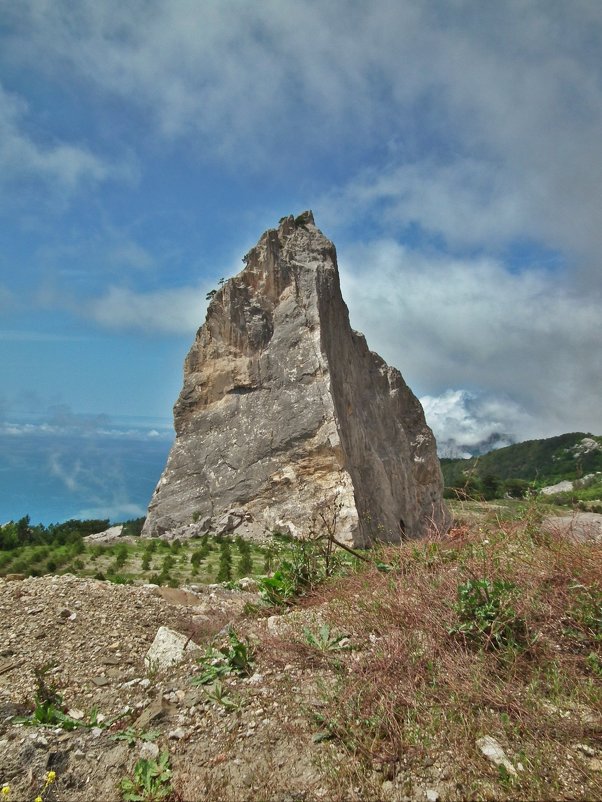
285,413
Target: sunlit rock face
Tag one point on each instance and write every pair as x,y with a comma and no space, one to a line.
286,417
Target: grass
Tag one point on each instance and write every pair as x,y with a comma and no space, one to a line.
496,632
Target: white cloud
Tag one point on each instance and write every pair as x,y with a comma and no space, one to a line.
114,511
478,124
55,163
493,115
168,311
465,423
19,154
449,322
128,253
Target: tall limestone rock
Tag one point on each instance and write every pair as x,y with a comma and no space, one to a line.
285,413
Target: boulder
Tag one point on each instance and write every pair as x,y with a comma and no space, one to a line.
169,647
287,421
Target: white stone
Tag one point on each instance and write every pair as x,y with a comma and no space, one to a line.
586,749
149,751
494,752
169,647
110,534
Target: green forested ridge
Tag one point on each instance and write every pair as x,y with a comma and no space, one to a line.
538,462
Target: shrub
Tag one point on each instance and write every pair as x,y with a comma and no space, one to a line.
486,615
224,573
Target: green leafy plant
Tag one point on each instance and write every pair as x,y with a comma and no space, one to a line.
325,641
48,708
486,615
224,573
594,663
236,657
279,588
151,782
220,695
132,736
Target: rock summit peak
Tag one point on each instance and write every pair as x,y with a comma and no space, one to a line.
287,418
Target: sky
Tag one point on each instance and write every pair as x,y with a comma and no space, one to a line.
452,151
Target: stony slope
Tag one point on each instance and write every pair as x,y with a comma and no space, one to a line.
398,711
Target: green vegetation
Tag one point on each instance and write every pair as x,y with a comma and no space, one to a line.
49,709
517,470
486,614
233,657
63,548
132,736
304,565
324,640
24,533
151,781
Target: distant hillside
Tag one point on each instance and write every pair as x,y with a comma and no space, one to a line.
544,462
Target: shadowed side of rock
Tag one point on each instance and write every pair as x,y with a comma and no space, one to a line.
285,411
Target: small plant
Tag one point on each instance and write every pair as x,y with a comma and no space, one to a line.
224,573
594,663
245,564
132,736
324,641
277,589
48,780
486,614
218,694
49,708
236,657
585,613
151,783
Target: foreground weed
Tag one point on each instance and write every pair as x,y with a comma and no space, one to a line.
486,615
324,641
236,657
132,736
48,780
594,663
49,708
219,695
585,613
151,782
279,588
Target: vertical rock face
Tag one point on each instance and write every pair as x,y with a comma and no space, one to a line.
286,416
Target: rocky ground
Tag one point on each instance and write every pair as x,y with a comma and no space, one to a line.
259,737
96,636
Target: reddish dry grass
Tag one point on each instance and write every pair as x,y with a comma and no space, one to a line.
411,686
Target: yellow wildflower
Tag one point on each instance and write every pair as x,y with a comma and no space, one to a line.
51,777
5,790
38,799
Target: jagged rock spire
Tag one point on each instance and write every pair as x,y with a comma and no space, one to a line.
286,416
